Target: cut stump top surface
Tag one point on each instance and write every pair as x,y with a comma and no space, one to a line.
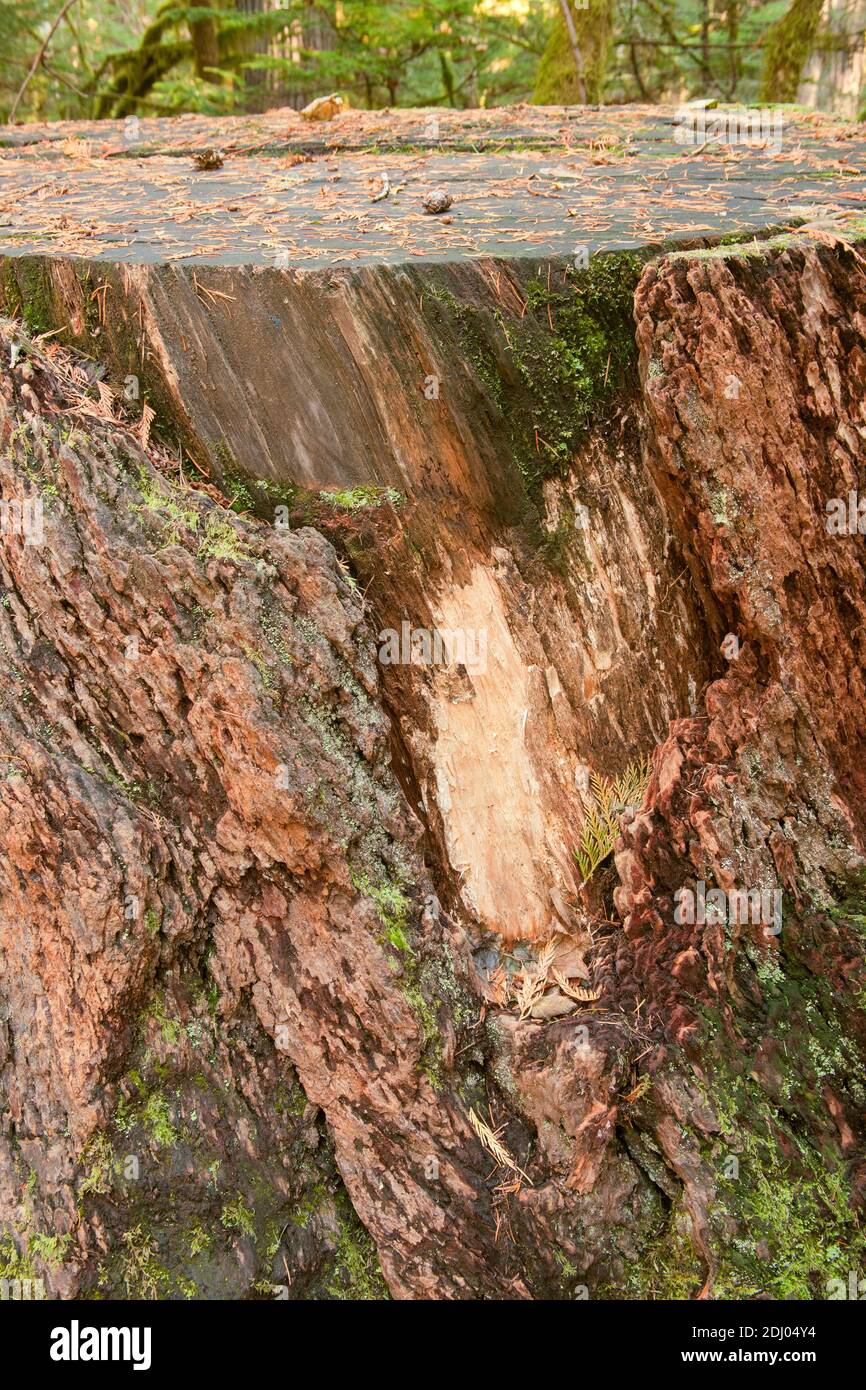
525,181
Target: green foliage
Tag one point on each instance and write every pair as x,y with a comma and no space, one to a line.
156,1118
601,822
221,541
49,1250
146,57
237,1216
689,48
160,56
358,498
12,1264
356,1275
141,1274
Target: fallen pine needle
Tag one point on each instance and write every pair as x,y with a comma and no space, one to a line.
492,1145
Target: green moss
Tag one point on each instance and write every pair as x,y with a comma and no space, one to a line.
669,1267
221,540
151,1111
227,463
791,1201
181,1237
89,301
262,497
10,293
27,292
569,1271
158,498
431,1057
290,1099
334,799
557,81
310,1204
49,1250
440,981
782,1213
552,369
236,1216
790,1204
170,1028
392,906
14,1265
198,1239
739,248
359,498
574,351
851,907
787,46
140,1272
239,494
259,496
260,664
156,1118
356,1274
472,329
561,547
100,1164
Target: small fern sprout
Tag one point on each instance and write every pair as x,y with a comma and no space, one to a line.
601,822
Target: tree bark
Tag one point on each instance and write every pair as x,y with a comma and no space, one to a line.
572,67
236,831
205,43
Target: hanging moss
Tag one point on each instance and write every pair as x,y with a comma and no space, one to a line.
557,81
788,46
136,70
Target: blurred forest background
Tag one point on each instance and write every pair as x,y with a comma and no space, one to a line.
75,59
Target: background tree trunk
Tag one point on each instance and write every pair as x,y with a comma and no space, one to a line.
205,43
789,44
559,80
833,77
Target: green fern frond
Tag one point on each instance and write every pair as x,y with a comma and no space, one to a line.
629,788
599,785
594,842
601,821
